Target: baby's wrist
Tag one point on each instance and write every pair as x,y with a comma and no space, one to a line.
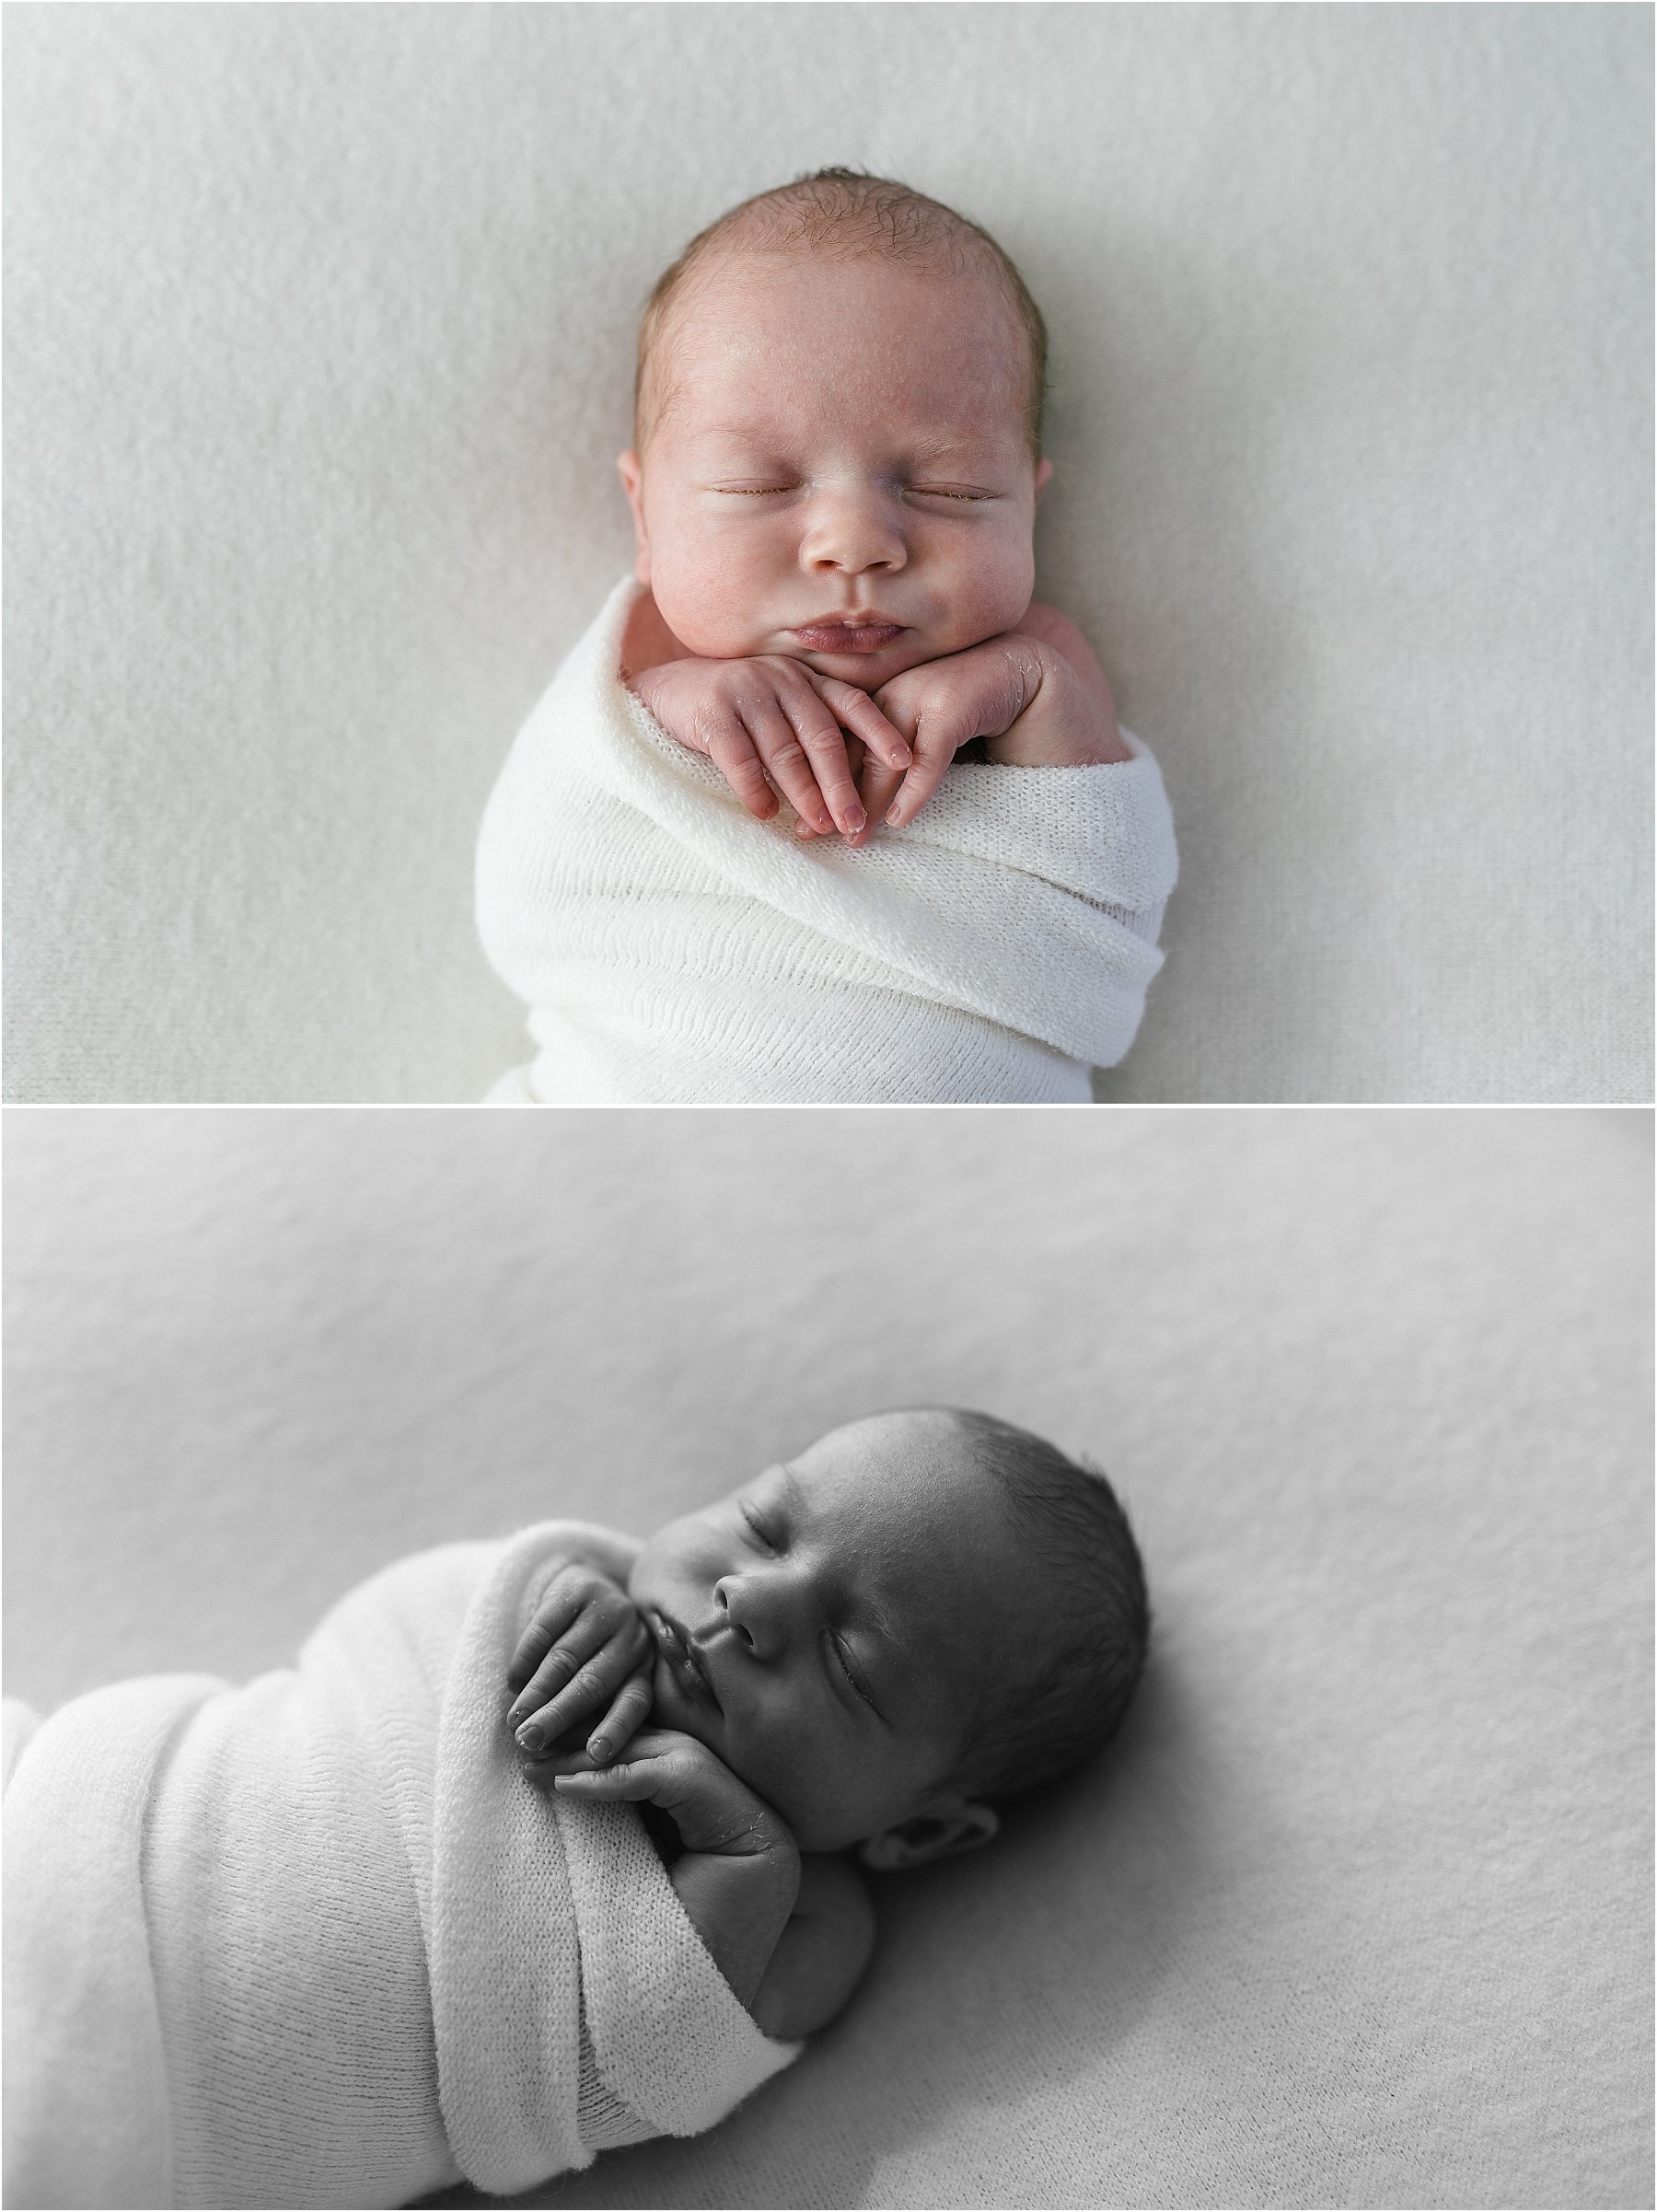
1068,723
768,1873
653,689
1080,750
747,1828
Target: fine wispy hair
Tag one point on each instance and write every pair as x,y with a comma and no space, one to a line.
838,213
1064,1696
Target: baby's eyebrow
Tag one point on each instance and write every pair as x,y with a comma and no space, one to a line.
746,434
933,450
887,1628
964,444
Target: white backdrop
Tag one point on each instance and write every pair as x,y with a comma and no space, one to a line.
320,326
1358,1912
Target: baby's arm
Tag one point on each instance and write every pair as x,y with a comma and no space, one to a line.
821,1954
791,1935
1051,627
738,1876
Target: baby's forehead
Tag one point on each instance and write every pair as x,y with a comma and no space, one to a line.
731,287
910,1491
736,261
744,334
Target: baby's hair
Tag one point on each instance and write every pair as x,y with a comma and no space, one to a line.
1048,1712
840,214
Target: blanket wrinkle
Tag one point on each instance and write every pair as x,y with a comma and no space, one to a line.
317,1940
671,948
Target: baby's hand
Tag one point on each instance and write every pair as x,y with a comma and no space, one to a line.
942,705
587,1651
772,727
713,1810
1012,688
738,1875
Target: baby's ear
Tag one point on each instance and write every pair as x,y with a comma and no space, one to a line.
632,479
958,1826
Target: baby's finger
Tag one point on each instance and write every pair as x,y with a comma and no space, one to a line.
589,1632
732,752
860,713
622,1722
919,785
557,1610
636,1777
819,733
648,1743
813,732
609,1785
591,1690
877,785
779,747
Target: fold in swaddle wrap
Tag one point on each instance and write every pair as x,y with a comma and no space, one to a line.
317,1942
671,948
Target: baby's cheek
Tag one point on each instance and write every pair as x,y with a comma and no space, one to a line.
705,624
991,593
707,598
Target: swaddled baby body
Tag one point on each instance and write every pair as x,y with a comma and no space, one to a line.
377,1923
833,482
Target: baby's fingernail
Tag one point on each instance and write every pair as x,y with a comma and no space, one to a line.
856,818
894,814
599,1748
531,1738
902,757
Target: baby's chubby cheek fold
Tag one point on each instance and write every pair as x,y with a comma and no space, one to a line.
711,610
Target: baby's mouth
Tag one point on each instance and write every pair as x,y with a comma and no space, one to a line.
848,636
682,1659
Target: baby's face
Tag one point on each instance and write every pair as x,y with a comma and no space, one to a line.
826,1629
838,438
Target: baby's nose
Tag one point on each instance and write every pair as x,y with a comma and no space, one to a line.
853,529
722,1598
755,1613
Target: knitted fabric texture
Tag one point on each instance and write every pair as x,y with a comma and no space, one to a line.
671,948
317,1942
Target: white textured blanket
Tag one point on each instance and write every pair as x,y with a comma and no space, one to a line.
672,948
317,1941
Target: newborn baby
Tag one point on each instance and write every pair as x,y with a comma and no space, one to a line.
829,634
866,1649
332,1938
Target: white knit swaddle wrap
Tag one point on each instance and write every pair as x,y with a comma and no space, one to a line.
671,948
317,1941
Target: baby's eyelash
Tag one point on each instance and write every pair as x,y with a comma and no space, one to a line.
851,1677
768,490
761,1534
